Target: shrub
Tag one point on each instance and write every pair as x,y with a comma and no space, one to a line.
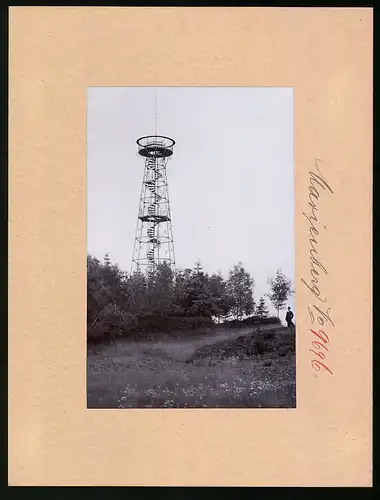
111,322
268,335
260,346
170,324
252,320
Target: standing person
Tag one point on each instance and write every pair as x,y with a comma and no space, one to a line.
289,317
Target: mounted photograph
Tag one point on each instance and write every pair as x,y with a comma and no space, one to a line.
190,247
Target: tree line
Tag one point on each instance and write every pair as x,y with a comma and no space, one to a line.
120,303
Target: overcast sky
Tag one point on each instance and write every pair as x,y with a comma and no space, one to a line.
231,177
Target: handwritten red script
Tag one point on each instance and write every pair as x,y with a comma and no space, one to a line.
319,312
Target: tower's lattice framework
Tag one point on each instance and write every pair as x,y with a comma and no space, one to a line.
154,236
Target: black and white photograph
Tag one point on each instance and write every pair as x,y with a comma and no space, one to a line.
190,248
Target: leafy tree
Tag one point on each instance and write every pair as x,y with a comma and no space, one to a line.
280,290
221,304
262,310
240,292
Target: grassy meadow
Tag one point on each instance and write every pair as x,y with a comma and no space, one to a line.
247,367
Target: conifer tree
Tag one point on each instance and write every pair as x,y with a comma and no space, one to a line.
262,310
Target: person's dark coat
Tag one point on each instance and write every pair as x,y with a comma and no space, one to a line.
289,316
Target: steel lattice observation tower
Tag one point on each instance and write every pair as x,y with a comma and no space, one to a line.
154,238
